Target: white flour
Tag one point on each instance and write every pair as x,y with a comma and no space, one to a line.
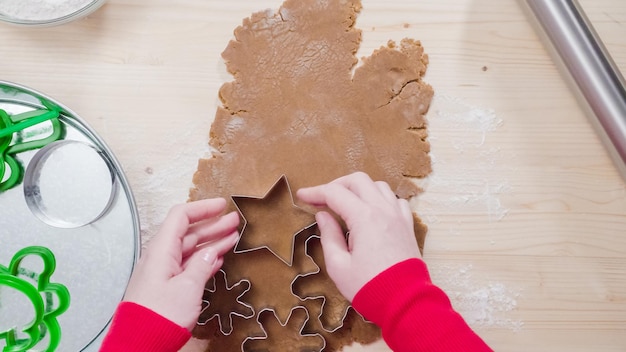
464,163
482,305
40,10
466,180
166,182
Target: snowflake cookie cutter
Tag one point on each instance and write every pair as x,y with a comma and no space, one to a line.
221,275
271,314
324,324
281,184
45,320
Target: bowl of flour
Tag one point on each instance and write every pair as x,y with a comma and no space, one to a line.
46,12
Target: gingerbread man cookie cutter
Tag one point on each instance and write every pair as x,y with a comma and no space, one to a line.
281,184
45,320
222,275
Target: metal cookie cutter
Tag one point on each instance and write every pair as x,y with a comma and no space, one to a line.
45,321
250,233
70,184
328,326
295,324
15,124
221,309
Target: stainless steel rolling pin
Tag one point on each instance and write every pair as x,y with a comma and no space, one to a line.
589,65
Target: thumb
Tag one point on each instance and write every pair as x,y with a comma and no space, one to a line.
202,266
334,245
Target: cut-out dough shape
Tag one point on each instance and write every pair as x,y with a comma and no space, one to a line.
285,337
319,285
272,221
262,267
354,329
218,342
270,280
224,302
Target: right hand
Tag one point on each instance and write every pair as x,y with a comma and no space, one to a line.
380,229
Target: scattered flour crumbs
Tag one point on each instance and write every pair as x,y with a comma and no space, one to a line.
464,181
167,174
482,305
40,10
477,188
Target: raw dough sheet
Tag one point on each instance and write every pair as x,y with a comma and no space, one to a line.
299,106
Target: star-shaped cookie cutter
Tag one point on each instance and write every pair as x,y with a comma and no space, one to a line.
222,274
288,322
45,317
321,296
276,187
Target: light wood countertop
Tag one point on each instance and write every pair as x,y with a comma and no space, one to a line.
527,214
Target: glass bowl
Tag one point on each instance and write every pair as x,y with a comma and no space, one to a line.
42,13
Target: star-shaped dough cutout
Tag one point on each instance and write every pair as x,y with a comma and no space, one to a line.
272,221
285,337
224,302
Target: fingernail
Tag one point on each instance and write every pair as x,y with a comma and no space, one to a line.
209,256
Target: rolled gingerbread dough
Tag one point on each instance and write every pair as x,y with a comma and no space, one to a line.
298,107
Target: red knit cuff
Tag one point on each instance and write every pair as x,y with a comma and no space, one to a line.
414,314
137,328
373,299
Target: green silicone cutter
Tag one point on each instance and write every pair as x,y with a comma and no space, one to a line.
16,123
45,317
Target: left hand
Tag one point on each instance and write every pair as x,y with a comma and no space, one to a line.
186,252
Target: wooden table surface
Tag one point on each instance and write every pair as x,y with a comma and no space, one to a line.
527,214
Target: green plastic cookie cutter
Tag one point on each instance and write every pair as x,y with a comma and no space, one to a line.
45,321
16,123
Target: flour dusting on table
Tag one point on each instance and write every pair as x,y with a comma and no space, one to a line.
464,163
482,305
465,181
167,171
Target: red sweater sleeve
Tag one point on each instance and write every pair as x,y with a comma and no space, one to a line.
136,329
414,314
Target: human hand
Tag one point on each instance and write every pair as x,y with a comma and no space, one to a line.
188,249
380,229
